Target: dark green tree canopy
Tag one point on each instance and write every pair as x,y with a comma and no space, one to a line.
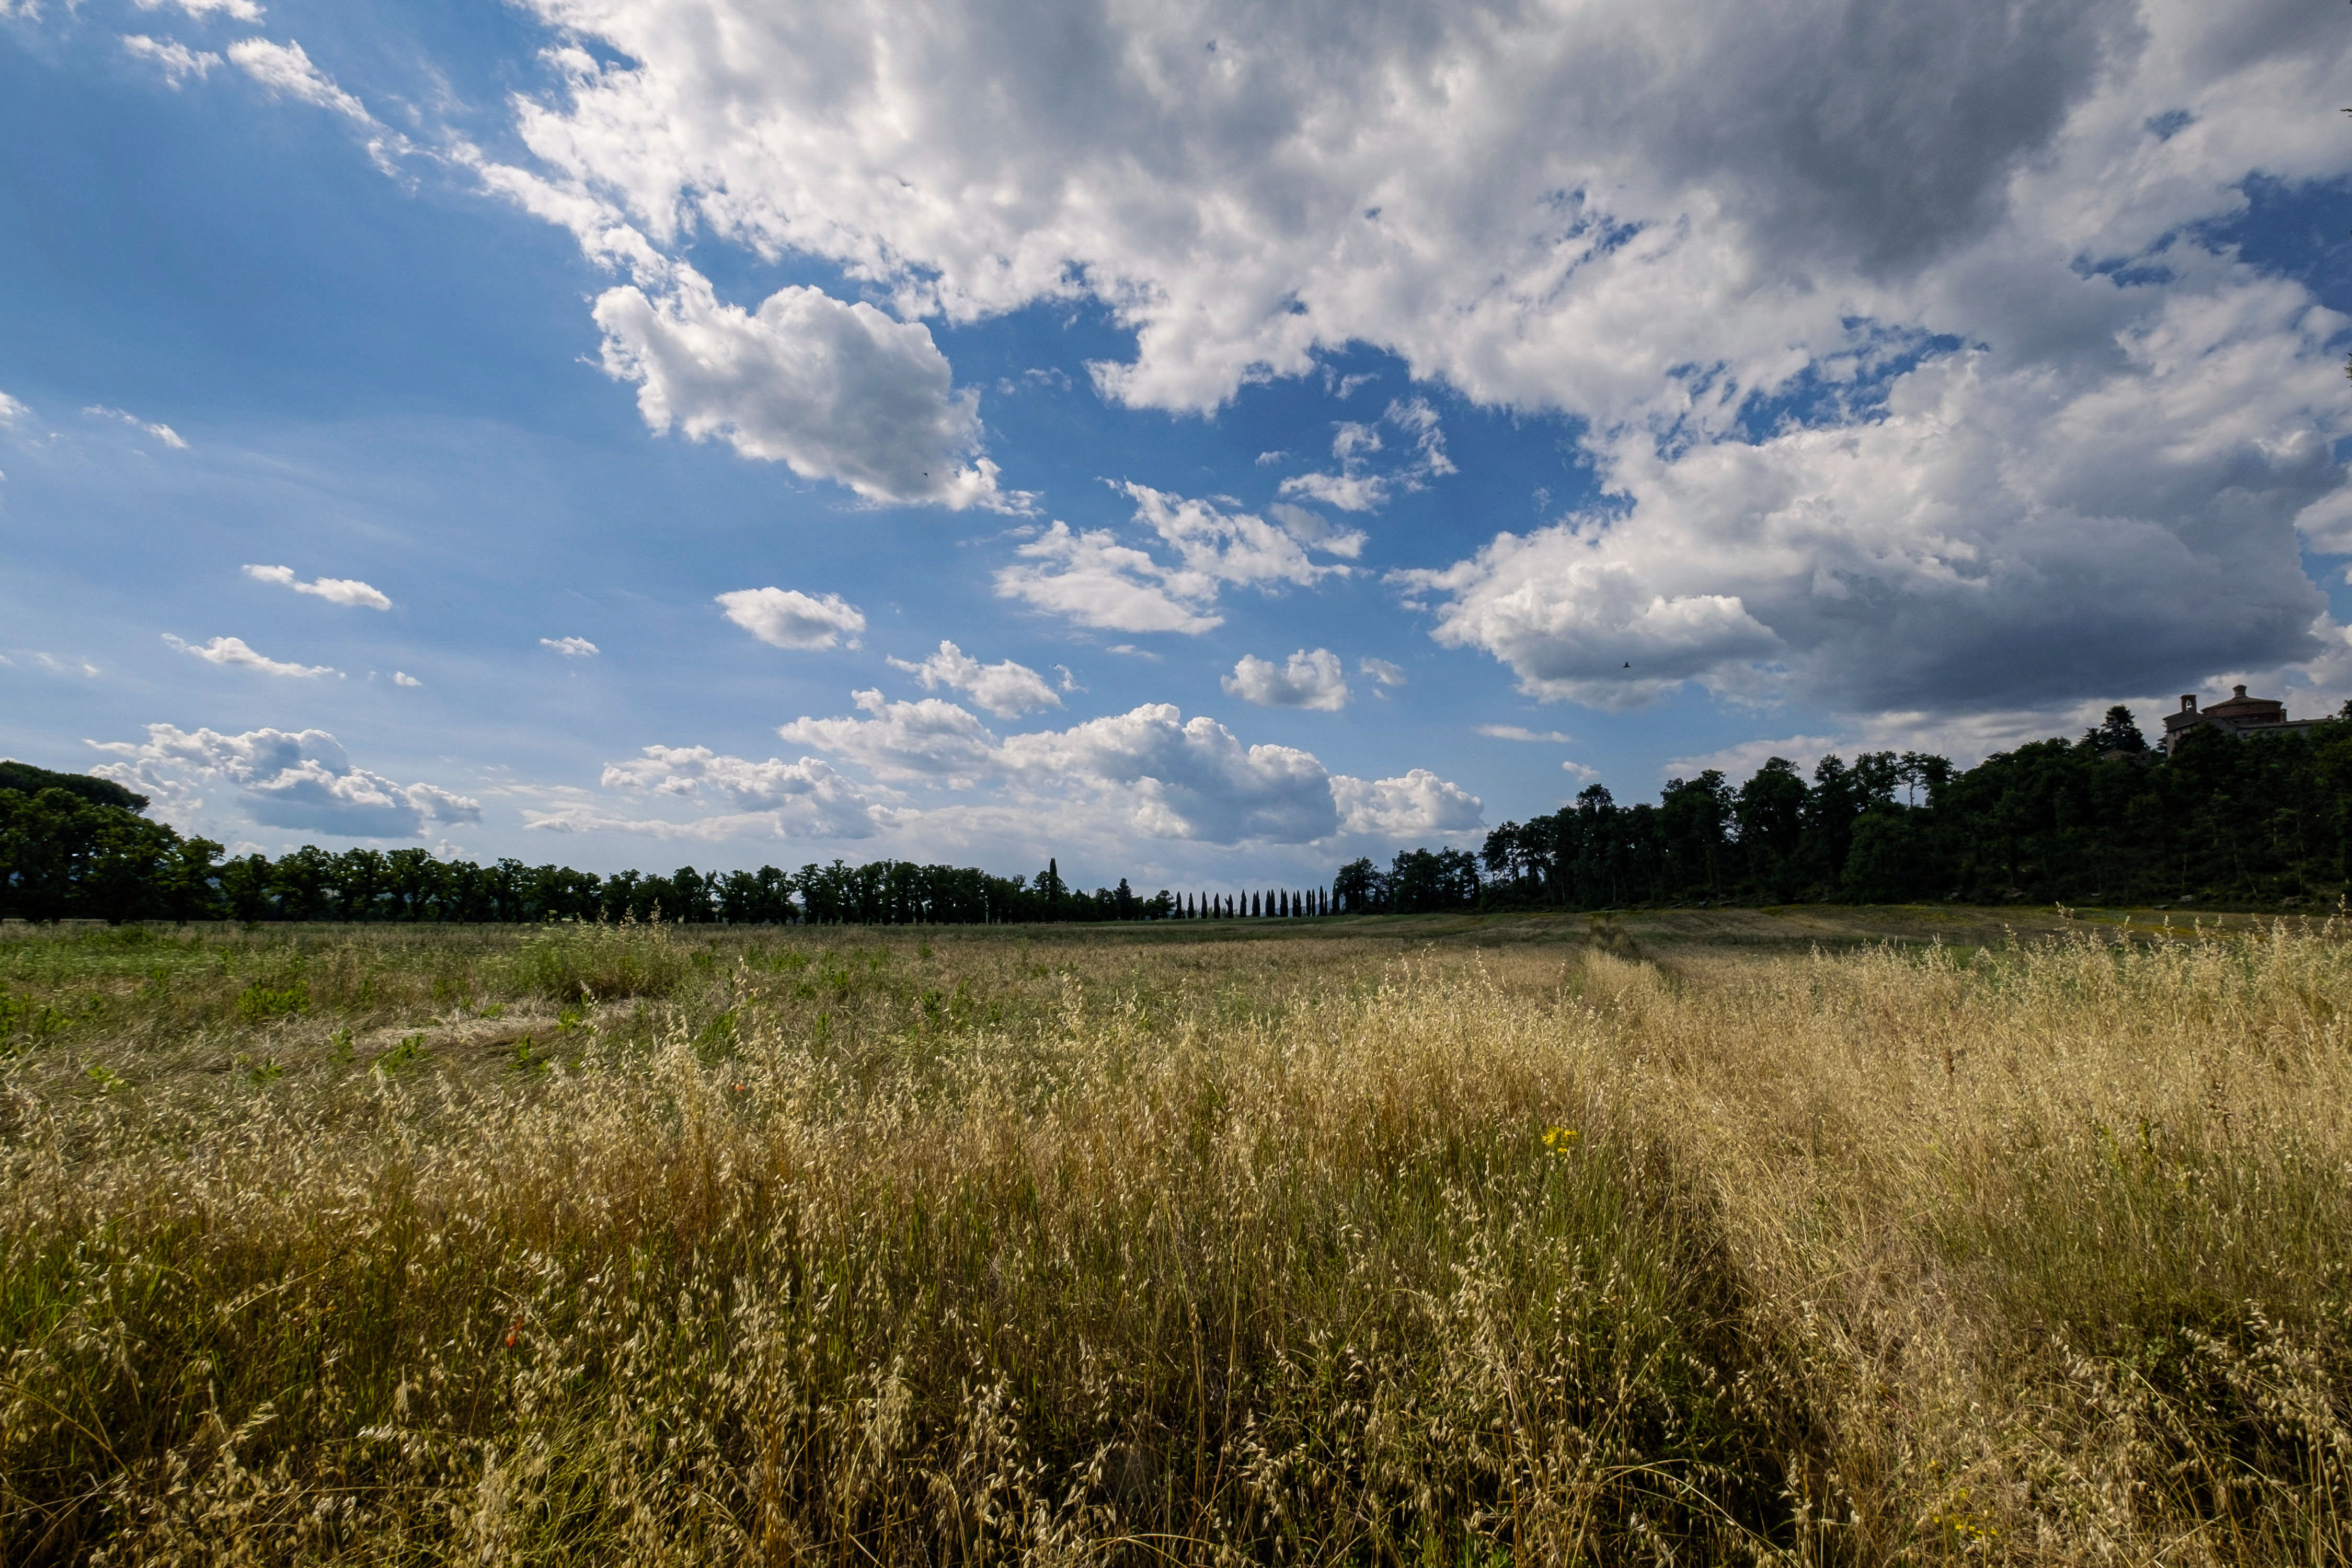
28,780
2117,732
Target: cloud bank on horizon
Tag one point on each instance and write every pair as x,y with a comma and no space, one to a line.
1910,365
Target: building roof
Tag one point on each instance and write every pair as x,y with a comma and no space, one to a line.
2233,711
2242,709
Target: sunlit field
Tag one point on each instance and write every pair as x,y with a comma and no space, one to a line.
1437,1241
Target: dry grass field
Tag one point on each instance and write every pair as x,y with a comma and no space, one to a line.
1867,1237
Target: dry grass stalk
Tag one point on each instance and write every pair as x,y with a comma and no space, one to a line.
850,1247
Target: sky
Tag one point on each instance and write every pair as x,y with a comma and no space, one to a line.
1201,442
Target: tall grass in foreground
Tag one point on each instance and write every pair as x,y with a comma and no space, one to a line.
867,1251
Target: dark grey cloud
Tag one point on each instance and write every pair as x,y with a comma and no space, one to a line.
1875,135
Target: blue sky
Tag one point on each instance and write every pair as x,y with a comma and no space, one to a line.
1316,433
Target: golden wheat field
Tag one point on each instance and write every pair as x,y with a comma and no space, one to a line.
1442,1242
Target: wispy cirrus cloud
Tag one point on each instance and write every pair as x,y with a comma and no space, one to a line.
344,590
236,10
232,652
54,665
286,69
175,60
163,433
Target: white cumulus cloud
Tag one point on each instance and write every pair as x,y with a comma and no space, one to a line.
806,798
1755,247
344,590
1095,580
1316,531
11,411
300,779
1359,486
232,652
1150,772
1381,670
402,679
1941,556
1236,546
787,618
1419,802
1005,689
832,391
1562,614
1486,189
1180,778
1309,680
928,738
571,647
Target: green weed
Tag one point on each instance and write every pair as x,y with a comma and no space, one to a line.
259,1003
407,1053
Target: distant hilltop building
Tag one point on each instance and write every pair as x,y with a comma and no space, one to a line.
2237,715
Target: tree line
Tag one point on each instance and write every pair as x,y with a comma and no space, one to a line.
2264,821
74,847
